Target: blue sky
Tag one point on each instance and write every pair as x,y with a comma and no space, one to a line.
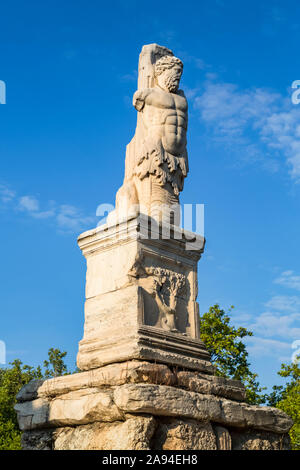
70,69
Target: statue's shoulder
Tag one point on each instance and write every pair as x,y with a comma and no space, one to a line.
139,98
181,101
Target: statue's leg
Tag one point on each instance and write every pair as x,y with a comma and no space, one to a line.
164,203
127,199
127,205
143,189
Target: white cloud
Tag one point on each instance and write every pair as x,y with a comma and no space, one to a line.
259,123
43,214
190,93
130,77
197,62
29,203
224,105
66,217
275,329
280,131
241,318
284,303
281,320
262,347
288,279
6,194
71,218
272,324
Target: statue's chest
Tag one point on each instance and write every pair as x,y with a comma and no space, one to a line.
168,101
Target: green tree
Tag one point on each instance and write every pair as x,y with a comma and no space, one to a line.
55,365
12,379
228,352
287,398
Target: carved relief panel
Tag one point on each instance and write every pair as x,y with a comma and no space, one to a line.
166,292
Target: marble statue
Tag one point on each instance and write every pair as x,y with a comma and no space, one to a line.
146,381
156,158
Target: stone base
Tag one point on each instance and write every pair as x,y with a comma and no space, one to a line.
152,433
146,343
141,290
142,406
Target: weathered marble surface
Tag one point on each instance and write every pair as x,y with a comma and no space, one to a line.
133,372
133,434
223,438
252,440
152,433
148,381
108,395
142,405
141,292
162,400
184,434
156,158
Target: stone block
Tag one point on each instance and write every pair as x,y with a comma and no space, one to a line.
30,391
223,438
106,376
37,440
181,434
212,385
162,400
133,434
253,440
82,407
141,298
32,414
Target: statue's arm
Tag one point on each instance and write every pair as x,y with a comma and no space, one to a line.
181,93
139,98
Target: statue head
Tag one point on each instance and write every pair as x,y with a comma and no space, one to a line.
168,70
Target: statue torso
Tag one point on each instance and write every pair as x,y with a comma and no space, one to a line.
165,117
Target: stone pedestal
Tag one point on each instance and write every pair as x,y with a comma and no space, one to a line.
147,381
141,289
145,406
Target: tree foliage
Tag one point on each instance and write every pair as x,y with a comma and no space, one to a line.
228,352
287,398
55,366
12,379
